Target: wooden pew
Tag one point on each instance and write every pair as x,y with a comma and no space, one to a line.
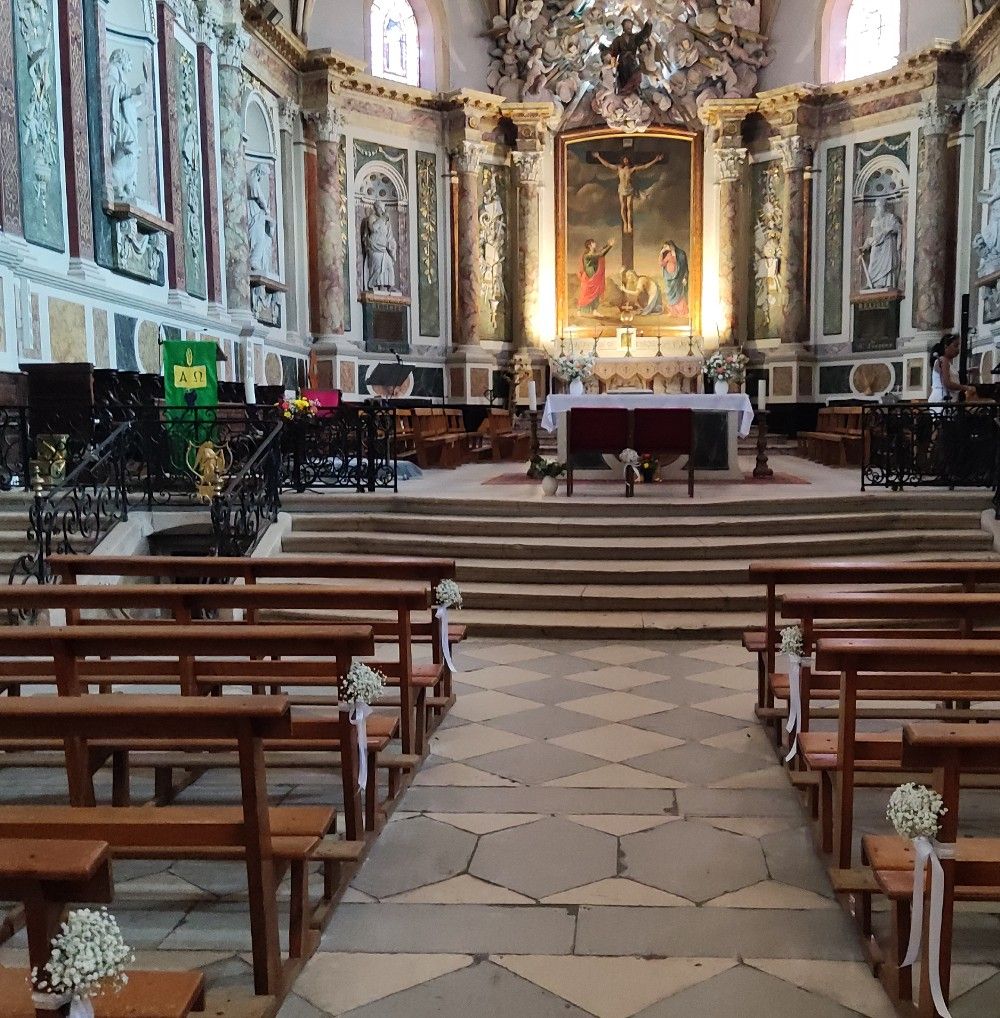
505,443
187,603
263,837
938,670
949,752
69,568
771,574
46,875
201,659
436,447
838,438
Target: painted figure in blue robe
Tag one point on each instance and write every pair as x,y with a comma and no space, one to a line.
674,266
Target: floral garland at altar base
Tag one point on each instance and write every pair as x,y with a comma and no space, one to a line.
792,647
361,689
915,812
447,595
87,960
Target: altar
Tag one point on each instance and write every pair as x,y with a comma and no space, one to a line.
662,374
720,422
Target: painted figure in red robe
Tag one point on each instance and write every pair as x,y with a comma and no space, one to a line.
593,275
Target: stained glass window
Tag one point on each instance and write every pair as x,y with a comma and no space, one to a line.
871,39
395,42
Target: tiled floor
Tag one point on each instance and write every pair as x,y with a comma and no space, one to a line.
603,830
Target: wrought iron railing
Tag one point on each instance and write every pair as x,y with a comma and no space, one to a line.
250,501
77,512
946,445
14,449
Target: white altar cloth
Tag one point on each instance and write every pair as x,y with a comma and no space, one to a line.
738,403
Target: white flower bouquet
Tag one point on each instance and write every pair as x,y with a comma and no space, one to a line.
88,957
448,594
915,811
363,684
727,367
630,458
573,366
791,641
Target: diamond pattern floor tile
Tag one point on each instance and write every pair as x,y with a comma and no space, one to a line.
616,742
472,740
461,890
694,763
617,891
484,823
615,776
688,724
619,654
544,723
615,706
500,677
616,677
490,704
723,654
508,653
535,762
619,824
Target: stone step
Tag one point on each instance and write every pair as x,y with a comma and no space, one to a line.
594,527
634,545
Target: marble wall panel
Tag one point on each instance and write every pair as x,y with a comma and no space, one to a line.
496,237
38,122
833,243
372,181
767,216
429,288
781,381
272,369
147,346
67,331
346,272
192,210
125,343
102,344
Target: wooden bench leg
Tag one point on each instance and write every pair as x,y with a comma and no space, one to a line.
163,785
420,735
371,792
298,909
121,794
826,779
897,980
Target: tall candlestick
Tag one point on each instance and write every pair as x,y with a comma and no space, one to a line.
762,394
532,396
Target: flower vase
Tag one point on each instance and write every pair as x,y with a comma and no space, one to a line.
550,485
721,387
576,387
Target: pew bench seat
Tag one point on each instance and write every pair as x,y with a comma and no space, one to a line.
147,995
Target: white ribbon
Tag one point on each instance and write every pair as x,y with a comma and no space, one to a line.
54,1001
360,713
929,851
794,723
81,1009
441,614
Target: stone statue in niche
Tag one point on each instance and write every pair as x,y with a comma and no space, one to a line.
492,248
260,221
884,248
125,103
40,141
378,244
987,242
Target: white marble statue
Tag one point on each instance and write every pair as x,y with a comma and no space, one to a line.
884,248
260,221
125,102
379,247
987,241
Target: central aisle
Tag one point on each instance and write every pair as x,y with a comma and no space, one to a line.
600,830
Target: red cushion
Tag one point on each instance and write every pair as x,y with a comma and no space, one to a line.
328,399
662,430
592,429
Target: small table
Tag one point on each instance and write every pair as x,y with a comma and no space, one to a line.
709,463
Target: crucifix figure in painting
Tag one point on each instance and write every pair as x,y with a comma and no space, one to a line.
626,171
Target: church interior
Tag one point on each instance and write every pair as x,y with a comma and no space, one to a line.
499,501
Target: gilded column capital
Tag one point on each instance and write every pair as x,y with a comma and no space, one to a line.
795,152
328,123
527,168
468,156
937,117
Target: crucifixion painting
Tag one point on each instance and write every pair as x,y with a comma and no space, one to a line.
626,171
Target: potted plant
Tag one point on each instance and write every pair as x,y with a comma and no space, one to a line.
574,368
723,368
648,465
549,471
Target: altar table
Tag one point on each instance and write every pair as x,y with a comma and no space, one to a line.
708,407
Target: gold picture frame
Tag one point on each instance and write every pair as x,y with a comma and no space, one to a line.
572,223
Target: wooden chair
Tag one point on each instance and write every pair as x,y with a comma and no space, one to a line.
601,430
665,431
265,838
46,875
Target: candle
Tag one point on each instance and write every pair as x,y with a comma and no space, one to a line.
762,394
532,396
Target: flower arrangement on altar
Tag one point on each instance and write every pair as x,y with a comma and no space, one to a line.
727,367
574,366
292,409
88,959
915,811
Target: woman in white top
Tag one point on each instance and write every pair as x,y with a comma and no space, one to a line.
945,385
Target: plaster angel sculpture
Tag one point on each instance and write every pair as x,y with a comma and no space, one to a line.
987,242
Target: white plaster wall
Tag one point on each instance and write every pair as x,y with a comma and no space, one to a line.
795,34
339,25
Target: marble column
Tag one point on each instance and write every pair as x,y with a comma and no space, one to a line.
930,275
290,119
527,175
730,166
329,228
10,166
232,147
465,243
76,138
209,174
167,50
796,156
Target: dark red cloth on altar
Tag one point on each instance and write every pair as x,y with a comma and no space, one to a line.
591,287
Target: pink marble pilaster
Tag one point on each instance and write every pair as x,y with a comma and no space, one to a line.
796,156
527,175
76,138
329,229
210,174
173,199
465,243
730,164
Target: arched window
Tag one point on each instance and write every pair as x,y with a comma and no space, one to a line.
395,41
871,37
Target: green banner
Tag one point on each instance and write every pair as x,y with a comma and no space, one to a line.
190,388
